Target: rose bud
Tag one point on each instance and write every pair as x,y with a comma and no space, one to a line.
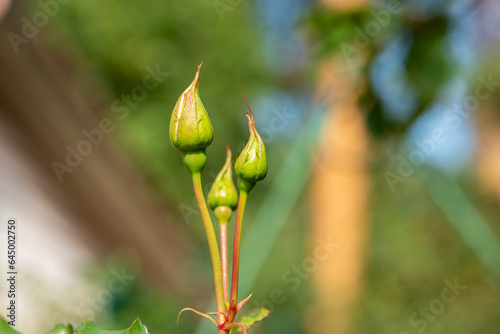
251,165
223,196
190,127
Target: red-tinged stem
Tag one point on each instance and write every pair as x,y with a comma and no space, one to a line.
236,255
214,249
223,250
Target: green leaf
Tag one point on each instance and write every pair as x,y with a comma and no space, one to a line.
89,327
62,329
5,327
251,318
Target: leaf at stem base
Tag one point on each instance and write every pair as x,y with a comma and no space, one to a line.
250,318
5,328
90,327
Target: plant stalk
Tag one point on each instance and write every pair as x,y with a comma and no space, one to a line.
223,250
236,255
214,249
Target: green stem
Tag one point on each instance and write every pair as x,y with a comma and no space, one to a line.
236,254
212,244
223,250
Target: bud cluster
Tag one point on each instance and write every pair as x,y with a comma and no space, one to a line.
191,132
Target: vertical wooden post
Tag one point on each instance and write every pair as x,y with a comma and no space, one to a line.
338,200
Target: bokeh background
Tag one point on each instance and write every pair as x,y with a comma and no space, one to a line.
380,211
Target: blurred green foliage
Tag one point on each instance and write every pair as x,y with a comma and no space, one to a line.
122,39
414,250
368,31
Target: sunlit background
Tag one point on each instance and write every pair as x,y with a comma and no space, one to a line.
380,211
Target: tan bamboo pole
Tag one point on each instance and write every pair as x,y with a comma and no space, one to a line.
338,194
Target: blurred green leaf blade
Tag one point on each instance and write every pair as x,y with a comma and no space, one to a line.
250,318
90,327
62,329
5,328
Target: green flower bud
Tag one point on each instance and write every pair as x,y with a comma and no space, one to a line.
251,165
190,126
223,196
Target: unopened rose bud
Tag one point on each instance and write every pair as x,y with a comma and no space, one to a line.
251,165
190,127
223,196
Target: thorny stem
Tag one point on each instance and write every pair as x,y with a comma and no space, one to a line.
223,249
236,255
214,249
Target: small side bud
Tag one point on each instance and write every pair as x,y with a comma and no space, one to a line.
223,196
251,165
